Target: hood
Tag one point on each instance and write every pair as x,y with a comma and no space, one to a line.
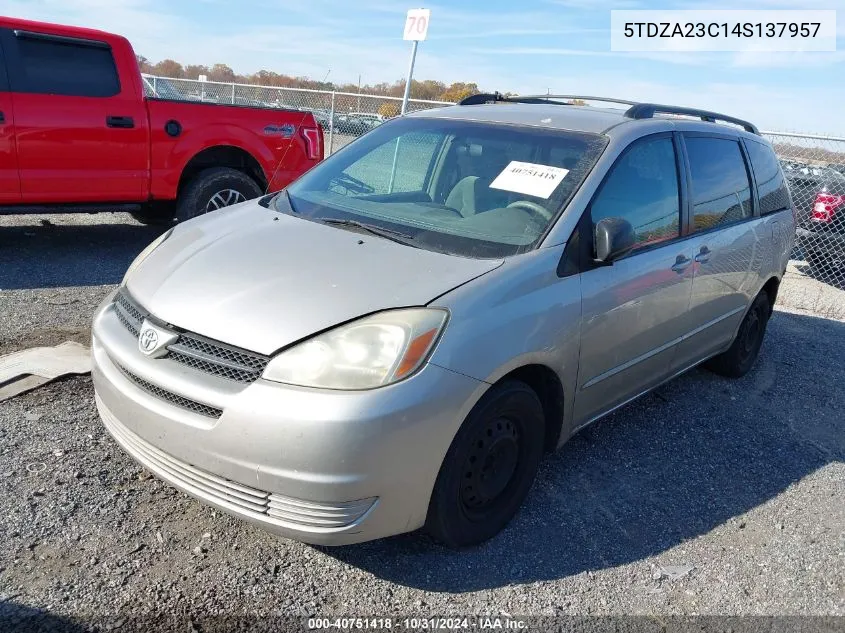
261,280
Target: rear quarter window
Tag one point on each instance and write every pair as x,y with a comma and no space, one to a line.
771,186
721,189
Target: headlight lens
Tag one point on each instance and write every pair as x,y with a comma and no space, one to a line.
145,253
370,352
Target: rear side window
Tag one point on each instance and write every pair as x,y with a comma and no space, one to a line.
771,187
721,190
642,188
47,66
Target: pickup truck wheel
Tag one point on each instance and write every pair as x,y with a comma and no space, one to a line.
489,468
213,189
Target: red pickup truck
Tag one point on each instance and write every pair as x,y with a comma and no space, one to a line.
77,132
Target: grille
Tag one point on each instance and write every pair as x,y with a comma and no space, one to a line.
217,359
197,352
128,313
172,398
232,496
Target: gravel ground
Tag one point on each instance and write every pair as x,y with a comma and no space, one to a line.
709,496
806,293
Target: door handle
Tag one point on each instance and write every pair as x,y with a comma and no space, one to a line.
682,262
2,118
703,255
120,121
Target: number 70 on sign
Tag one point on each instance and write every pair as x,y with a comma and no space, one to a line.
416,24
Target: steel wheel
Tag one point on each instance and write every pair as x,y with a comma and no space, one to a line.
750,335
740,357
490,466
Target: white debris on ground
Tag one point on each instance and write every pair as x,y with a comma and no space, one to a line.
31,368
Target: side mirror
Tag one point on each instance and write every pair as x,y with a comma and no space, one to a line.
614,237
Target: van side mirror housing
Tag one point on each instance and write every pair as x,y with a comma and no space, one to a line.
614,238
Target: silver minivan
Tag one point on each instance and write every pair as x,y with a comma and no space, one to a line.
395,340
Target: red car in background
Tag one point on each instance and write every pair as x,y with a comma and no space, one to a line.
77,131
819,194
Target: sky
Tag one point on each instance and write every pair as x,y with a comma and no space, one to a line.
528,47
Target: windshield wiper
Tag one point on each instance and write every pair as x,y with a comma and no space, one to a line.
390,234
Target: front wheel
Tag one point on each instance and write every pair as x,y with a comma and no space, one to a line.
212,189
489,467
740,357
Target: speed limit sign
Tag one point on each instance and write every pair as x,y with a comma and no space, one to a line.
416,24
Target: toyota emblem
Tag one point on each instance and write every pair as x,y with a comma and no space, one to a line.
148,340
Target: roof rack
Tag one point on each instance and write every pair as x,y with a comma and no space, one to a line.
635,111
536,99
648,110
482,98
553,98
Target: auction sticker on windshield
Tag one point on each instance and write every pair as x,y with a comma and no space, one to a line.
539,181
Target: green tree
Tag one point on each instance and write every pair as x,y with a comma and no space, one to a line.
459,90
389,109
221,72
168,68
427,89
193,71
144,64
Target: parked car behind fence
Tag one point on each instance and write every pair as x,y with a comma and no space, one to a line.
819,195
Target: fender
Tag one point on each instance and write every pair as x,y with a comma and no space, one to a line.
501,322
169,159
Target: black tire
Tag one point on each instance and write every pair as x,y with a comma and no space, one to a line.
155,213
740,357
197,194
489,468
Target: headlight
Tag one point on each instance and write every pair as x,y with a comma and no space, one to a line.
370,352
144,254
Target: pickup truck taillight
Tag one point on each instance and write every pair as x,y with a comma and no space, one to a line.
825,206
313,142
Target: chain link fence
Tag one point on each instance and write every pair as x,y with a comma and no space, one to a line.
814,167
344,116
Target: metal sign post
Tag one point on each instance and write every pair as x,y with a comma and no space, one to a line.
410,75
416,29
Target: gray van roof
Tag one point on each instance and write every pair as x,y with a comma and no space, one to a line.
564,117
579,118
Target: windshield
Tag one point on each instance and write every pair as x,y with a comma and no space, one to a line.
473,189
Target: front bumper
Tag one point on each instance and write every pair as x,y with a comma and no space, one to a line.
324,467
